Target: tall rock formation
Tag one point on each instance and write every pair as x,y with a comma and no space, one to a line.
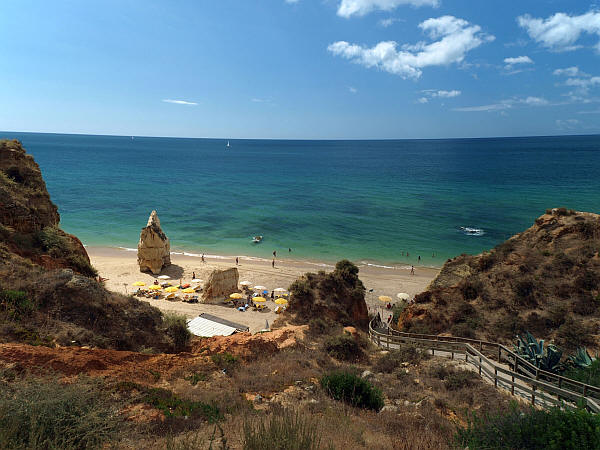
221,283
154,250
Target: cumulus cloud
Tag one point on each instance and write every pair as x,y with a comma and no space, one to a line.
510,62
352,90
389,21
534,101
561,31
456,38
349,8
432,93
179,102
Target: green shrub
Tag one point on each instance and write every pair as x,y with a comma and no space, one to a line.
318,326
587,375
463,329
173,406
534,429
397,310
224,360
573,334
176,328
54,242
352,389
82,265
284,430
409,353
343,348
459,379
47,414
15,304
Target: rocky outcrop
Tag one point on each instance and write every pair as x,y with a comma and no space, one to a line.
221,283
545,280
28,218
338,297
25,204
154,250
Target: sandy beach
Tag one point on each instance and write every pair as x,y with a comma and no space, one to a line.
121,269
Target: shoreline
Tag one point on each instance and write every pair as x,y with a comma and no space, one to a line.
120,267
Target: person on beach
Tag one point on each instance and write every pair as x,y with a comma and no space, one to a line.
273,263
272,295
193,275
412,270
237,260
274,253
203,257
156,282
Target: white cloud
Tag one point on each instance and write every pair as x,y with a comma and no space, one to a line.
352,90
560,32
179,102
583,83
388,22
349,8
423,100
456,38
517,60
534,101
506,104
448,94
570,72
291,1
487,108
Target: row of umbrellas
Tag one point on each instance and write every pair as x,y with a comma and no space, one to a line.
238,296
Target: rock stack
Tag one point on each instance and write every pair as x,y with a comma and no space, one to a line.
221,283
154,250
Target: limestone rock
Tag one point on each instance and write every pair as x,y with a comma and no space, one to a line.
221,283
154,249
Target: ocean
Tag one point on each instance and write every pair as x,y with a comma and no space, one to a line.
378,202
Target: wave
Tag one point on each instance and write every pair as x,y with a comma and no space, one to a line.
127,249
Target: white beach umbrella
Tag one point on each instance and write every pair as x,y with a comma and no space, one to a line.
280,290
403,296
197,280
164,277
245,283
260,288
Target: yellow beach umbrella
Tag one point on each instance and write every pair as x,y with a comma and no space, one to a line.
385,298
139,283
189,290
155,287
171,289
281,301
259,299
236,295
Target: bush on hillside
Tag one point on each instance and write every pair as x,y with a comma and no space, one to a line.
45,413
534,429
15,304
353,390
408,353
587,375
343,348
176,328
284,430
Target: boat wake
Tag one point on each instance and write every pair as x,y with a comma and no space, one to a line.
469,231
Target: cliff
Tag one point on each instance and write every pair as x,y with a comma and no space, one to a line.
545,280
28,218
48,291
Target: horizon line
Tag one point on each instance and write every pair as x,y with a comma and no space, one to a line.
304,139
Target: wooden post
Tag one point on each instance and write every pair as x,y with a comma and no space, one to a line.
466,355
388,343
432,351
480,346
499,353
480,366
495,377
533,394
584,390
452,355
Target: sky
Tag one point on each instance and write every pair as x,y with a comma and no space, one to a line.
301,69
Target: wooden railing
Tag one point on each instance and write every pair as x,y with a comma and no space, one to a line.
520,378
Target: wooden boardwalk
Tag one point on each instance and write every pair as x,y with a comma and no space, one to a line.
501,366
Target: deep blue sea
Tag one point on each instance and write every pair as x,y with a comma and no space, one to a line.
363,200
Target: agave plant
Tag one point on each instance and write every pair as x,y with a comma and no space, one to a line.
531,350
581,359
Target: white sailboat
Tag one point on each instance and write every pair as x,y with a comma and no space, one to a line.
227,143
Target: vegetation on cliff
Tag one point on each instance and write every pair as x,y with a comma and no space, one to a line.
338,296
48,291
545,280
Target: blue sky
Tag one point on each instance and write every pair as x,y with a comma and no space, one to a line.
351,69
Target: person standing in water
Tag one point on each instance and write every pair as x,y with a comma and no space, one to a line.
274,253
289,250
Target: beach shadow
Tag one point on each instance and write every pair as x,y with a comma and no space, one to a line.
174,271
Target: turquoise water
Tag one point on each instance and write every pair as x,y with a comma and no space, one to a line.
362,200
